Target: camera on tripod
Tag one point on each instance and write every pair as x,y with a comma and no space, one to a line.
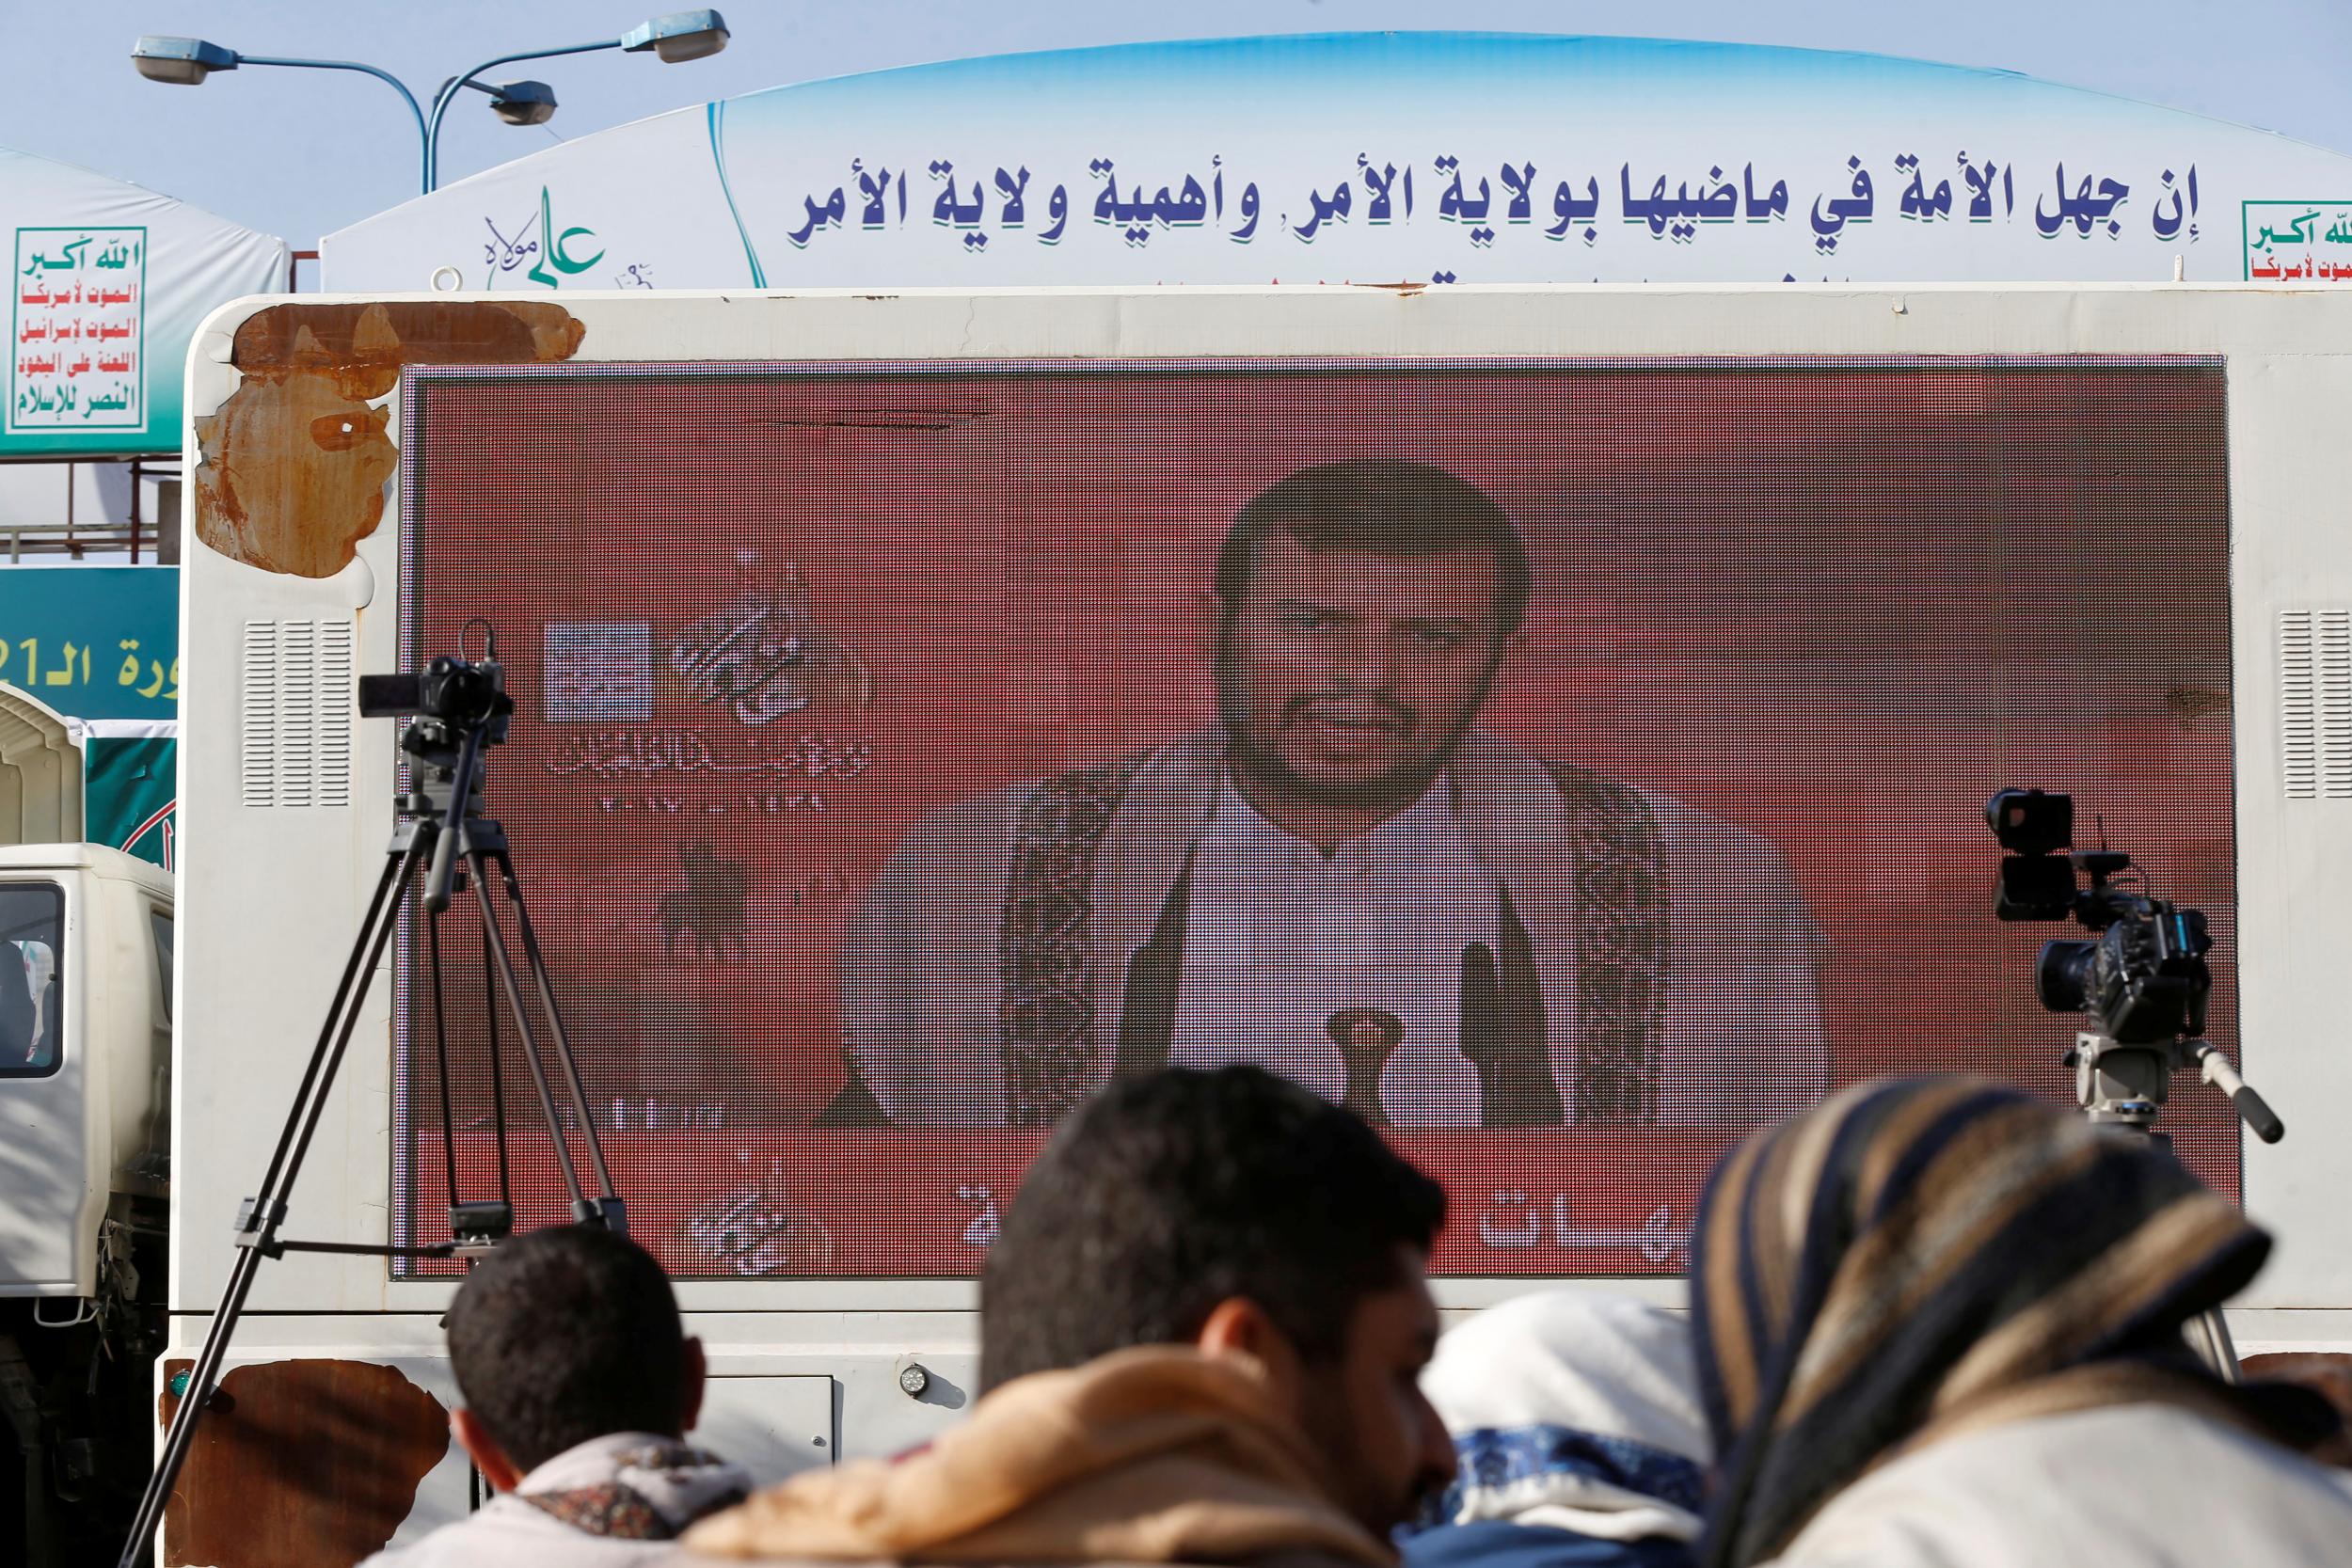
462,709
450,696
2143,978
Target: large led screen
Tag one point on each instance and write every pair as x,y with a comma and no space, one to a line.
1567,765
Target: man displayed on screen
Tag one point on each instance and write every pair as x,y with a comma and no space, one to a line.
1344,881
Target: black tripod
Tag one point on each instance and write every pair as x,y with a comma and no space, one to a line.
462,710
2123,1086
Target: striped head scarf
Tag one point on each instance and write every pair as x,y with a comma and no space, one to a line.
1919,1257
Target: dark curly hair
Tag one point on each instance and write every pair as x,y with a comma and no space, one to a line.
568,1333
1173,1190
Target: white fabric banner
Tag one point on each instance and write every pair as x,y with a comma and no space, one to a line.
1384,158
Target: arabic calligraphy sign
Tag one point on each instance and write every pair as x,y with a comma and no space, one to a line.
548,248
78,329
2093,204
2297,241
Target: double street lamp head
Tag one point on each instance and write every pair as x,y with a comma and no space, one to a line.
672,38
523,103
678,36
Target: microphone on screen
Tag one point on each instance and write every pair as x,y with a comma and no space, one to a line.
1482,1031
1502,1033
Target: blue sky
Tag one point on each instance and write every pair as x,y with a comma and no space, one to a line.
299,154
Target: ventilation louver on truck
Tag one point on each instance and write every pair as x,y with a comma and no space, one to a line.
297,713
2315,704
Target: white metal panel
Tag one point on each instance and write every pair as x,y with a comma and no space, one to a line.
770,1425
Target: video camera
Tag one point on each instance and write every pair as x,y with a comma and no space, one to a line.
462,710
450,697
2144,976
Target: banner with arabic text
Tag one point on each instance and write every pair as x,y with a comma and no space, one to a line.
1426,158
107,284
101,644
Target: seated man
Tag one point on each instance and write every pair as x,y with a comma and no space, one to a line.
1201,1335
578,1381
1576,1418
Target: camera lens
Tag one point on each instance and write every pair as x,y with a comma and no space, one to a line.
2062,976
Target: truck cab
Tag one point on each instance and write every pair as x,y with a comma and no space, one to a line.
85,947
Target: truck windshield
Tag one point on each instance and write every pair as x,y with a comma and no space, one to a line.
32,979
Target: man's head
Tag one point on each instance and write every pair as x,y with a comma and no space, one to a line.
1239,1212
1362,610
565,1335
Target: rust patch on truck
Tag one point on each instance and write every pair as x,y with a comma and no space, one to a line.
290,469
2328,1374
305,1463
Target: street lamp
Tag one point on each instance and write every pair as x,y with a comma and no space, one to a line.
182,62
679,37
672,38
521,103
186,62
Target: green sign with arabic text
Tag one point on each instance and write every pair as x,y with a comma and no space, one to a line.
93,642
107,284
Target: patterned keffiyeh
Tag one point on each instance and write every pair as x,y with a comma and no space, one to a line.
1922,1257
640,1488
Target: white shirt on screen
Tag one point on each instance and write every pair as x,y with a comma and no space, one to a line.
1280,936
1716,977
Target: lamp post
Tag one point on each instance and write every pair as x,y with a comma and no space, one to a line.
186,62
673,39
676,37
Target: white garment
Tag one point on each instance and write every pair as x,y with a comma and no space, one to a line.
1281,936
2131,1486
1577,1410
512,1532
923,990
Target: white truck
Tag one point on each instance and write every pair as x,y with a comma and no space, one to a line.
86,952
781,578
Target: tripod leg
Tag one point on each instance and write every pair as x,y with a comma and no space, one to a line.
581,1206
2209,1337
366,952
196,1392
374,943
441,1060
498,1078
258,1227
564,1056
